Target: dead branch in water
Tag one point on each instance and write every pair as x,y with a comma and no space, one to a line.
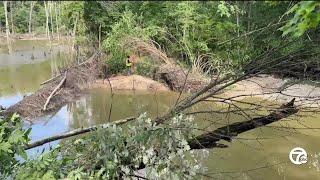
55,90
75,132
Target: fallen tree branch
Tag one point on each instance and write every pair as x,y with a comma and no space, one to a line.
54,91
75,132
209,140
49,80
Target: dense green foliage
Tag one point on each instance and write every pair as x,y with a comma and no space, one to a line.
118,152
306,16
12,140
210,37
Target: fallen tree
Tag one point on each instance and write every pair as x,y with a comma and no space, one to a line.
208,140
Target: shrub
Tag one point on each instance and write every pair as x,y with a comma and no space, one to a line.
145,67
116,64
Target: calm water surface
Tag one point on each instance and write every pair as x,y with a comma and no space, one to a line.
258,154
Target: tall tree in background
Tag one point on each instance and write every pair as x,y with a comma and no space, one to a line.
5,4
50,13
30,16
11,17
56,10
46,8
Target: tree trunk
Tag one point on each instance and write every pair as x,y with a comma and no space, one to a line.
30,16
50,14
57,25
5,4
74,37
75,26
238,20
11,18
99,36
47,19
249,16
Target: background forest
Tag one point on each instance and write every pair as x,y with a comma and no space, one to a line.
210,37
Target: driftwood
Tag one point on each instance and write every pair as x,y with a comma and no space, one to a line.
74,133
55,90
209,140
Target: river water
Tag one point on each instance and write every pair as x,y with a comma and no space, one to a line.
257,154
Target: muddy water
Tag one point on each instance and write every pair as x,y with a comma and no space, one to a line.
257,154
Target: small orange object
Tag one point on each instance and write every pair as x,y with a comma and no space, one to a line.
134,60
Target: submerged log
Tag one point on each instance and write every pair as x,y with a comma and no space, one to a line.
209,140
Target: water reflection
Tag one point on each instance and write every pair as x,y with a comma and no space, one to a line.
21,75
95,107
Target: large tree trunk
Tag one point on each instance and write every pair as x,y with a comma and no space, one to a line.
30,16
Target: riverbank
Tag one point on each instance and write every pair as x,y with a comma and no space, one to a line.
33,36
264,86
272,88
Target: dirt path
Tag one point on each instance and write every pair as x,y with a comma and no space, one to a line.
135,82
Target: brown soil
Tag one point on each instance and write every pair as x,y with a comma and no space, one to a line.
133,82
178,78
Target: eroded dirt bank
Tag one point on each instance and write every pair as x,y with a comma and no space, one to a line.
133,82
